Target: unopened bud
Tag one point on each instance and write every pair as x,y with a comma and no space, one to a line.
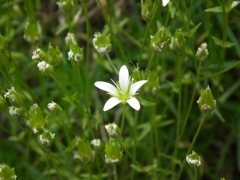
14,97
113,131
113,152
194,160
206,102
159,40
45,68
40,55
55,57
202,52
75,55
7,173
36,118
14,111
102,43
70,39
65,5
98,145
55,109
146,9
84,153
46,138
178,41
31,32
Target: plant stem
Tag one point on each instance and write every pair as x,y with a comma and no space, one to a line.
110,62
115,172
134,140
192,144
48,172
195,174
123,119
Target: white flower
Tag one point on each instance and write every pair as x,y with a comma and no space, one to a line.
96,142
51,106
123,92
14,111
165,2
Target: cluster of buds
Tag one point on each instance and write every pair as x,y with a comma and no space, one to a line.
46,138
75,55
146,9
7,173
84,153
36,119
102,43
206,102
65,5
55,109
159,40
31,32
202,52
177,41
194,160
113,152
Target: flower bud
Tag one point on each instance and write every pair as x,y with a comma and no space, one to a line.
55,109
84,153
6,173
36,118
113,152
45,68
40,55
159,40
31,32
202,52
75,55
46,138
98,145
146,9
55,57
102,43
14,97
178,41
194,160
14,111
3,104
65,5
206,102
113,131
70,39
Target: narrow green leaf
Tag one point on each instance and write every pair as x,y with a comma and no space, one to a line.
215,9
221,43
146,103
219,115
61,29
72,145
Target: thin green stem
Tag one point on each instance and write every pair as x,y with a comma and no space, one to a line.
134,140
123,118
111,63
195,174
115,172
220,72
129,154
192,144
47,161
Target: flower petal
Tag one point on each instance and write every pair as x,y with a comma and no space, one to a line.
136,86
113,101
124,78
165,2
106,87
133,102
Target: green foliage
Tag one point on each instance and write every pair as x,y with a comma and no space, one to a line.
56,51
